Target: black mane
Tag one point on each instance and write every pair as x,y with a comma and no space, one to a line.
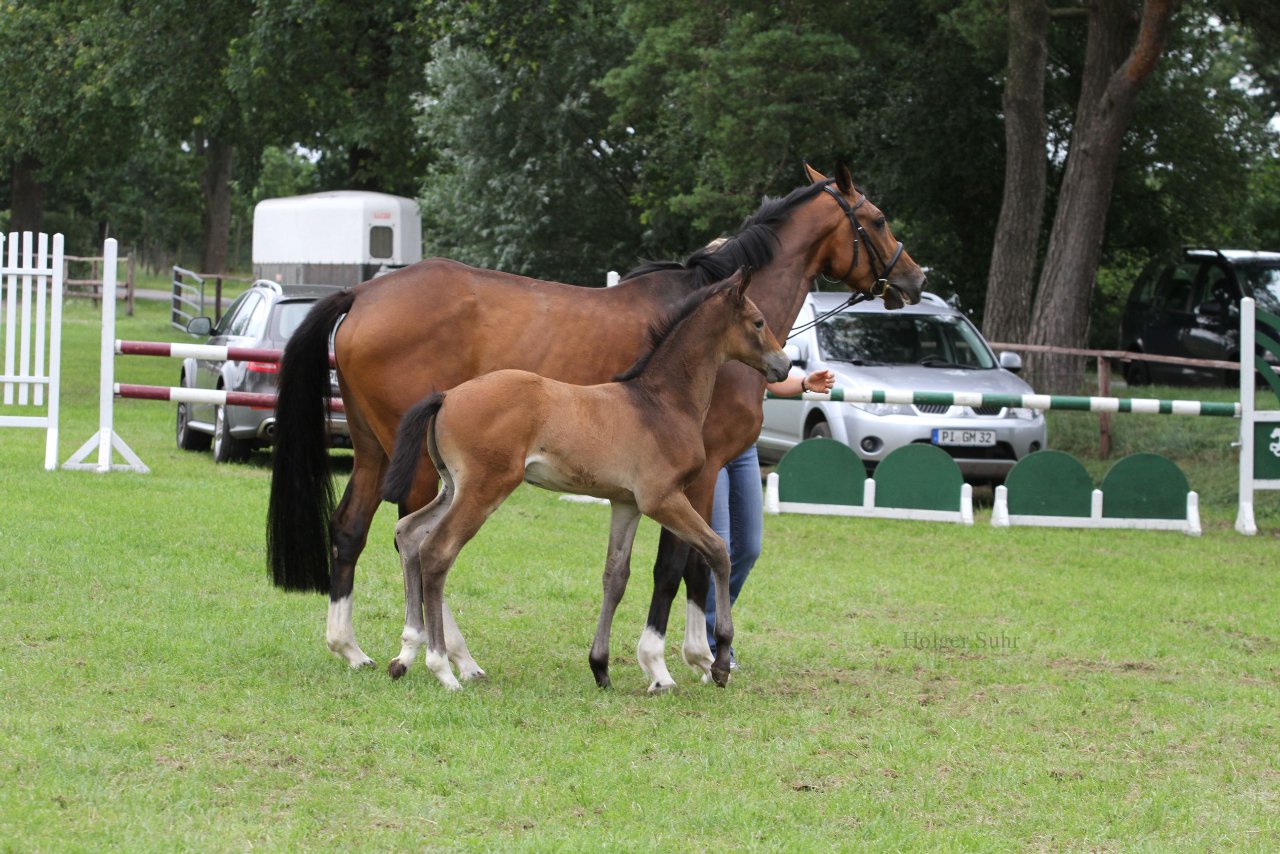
753,246
662,328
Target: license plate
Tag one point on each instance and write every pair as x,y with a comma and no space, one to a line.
966,438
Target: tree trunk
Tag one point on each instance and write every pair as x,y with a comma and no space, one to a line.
26,196
1110,87
1011,279
215,186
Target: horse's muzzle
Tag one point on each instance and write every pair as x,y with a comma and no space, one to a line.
776,366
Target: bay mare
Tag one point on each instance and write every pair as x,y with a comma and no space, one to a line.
439,323
636,442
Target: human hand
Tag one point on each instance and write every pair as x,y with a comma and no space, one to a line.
820,381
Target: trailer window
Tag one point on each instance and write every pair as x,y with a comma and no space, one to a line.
380,241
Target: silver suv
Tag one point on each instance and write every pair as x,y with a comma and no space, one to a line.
930,346
264,316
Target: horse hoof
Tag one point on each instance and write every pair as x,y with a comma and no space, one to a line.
602,681
661,687
362,663
472,675
721,677
396,669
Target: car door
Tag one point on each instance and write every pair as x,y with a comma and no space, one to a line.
1170,315
1215,317
232,324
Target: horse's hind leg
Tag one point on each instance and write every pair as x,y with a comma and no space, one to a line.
350,529
617,569
469,507
410,537
411,532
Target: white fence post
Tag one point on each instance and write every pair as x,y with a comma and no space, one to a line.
106,438
31,291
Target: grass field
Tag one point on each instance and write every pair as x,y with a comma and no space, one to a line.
904,686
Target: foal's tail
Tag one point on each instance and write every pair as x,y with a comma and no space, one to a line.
298,516
414,429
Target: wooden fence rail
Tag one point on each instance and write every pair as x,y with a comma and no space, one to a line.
91,286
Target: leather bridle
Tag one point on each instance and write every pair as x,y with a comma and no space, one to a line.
881,285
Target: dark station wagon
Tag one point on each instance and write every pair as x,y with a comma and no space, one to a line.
264,316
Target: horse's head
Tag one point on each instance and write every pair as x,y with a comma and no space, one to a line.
861,251
747,336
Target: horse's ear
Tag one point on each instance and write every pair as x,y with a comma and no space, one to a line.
844,181
743,275
813,174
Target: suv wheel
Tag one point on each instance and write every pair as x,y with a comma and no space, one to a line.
188,439
819,430
226,448
1137,373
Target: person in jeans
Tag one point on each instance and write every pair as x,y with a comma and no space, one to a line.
738,513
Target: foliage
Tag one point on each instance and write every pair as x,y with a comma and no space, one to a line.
725,101
528,178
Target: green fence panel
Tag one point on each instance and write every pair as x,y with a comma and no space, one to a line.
821,471
1049,483
918,477
1145,486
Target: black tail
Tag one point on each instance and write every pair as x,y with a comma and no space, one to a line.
412,432
301,506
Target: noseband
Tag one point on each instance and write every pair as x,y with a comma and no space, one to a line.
881,284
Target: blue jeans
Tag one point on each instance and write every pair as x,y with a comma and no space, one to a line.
738,517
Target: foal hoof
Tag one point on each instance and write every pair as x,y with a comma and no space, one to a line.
721,677
472,675
396,669
662,687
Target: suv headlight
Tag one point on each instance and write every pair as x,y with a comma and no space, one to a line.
1024,414
885,408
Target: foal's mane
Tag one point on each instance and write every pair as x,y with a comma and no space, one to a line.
753,246
664,327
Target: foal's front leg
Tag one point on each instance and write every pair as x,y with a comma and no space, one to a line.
677,515
617,569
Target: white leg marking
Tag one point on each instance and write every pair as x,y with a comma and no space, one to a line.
439,665
411,640
697,650
456,647
341,635
651,653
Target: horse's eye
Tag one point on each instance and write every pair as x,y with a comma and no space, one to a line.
880,223
759,324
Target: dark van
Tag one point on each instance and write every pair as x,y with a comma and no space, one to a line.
1191,308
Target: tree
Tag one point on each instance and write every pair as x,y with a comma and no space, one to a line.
1115,68
1011,278
530,177
340,79
58,115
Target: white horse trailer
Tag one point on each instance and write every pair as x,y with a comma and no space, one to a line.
337,238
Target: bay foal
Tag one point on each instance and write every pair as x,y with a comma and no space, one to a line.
636,442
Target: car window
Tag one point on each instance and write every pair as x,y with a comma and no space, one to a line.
885,339
256,327
1216,287
1174,291
289,316
1263,282
234,312
244,314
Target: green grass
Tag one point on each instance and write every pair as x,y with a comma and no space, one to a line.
904,686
